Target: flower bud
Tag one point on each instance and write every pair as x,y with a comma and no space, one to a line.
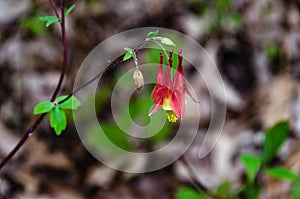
138,79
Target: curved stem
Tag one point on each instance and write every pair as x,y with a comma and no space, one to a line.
65,43
115,62
155,42
22,141
59,84
58,87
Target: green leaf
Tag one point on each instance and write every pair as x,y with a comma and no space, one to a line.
282,173
69,10
58,120
152,35
295,191
49,19
128,49
248,192
167,41
164,40
43,107
33,24
224,189
189,193
129,54
274,138
252,164
272,51
72,103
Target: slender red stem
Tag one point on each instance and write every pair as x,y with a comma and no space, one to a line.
63,70
65,43
54,8
58,87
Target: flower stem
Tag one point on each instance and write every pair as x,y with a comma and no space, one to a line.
62,74
54,8
58,87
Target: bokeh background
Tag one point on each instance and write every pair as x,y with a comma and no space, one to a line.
254,43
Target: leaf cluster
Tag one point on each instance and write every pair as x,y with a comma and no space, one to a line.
58,119
52,19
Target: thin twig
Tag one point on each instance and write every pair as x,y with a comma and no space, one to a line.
54,8
65,59
58,87
113,63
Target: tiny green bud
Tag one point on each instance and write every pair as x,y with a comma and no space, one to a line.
138,79
167,41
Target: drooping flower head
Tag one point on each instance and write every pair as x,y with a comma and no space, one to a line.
167,94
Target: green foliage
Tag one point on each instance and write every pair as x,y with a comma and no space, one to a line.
223,4
52,19
32,24
252,164
58,120
43,107
274,138
152,35
69,10
166,41
221,15
233,21
189,193
163,40
248,192
224,189
281,173
272,51
72,103
49,20
295,191
129,54
153,57
94,5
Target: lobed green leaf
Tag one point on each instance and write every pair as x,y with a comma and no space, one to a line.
167,41
152,35
69,10
295,191
189,193
49,19
224,189
282,173
129,54
58,120
274,138
72,103
43,107
252,164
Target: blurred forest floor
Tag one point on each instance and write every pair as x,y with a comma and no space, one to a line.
256,45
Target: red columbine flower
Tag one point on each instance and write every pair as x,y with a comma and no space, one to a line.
167,94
